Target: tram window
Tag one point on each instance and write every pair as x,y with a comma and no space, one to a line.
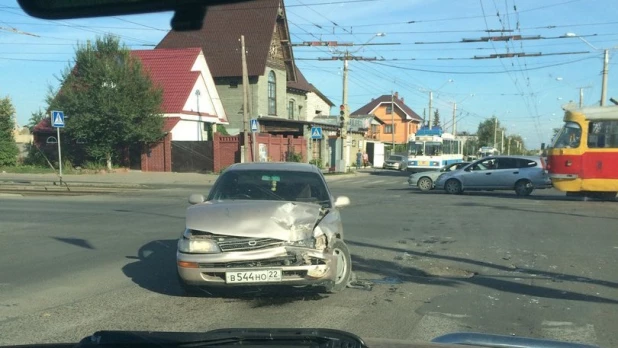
569,136
603,134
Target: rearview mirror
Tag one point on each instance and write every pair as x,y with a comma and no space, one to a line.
196,198
342,201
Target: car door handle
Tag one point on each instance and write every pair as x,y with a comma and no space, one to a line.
515,172
487,173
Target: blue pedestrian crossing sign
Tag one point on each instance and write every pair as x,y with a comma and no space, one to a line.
254,125
316,132
57,118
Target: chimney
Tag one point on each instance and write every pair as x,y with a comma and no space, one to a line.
402,101
396,94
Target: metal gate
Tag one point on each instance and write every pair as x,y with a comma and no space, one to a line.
192,156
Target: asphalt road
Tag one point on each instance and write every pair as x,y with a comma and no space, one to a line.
426,265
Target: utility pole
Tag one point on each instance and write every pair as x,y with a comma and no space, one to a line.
454,123
581,97
393,121
245,101
502,142
605,71
430,105
508,147
495,130
346,113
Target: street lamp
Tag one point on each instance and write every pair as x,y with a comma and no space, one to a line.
380,34
605,64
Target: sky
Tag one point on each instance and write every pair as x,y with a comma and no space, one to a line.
418,44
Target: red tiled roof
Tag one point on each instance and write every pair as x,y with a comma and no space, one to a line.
369,107
171,70
219,37
169,123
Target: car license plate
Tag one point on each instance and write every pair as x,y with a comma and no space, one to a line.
424,163
270,275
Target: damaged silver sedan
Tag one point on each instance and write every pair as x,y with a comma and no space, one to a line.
265,224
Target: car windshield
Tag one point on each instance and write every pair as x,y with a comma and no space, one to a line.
290,164
569,136
271,185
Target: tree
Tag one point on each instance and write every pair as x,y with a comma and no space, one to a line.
470,147
486,131
109,101
436,118
8,148
515,143
35,118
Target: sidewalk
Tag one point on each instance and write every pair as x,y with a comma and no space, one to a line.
134,180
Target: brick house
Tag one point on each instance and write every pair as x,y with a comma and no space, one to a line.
403,123
269,58
280,97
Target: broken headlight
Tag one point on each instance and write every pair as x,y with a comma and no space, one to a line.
197,242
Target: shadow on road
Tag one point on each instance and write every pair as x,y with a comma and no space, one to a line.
386,269
392,270
154,269
388,173
75,241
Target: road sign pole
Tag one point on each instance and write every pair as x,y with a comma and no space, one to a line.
59,154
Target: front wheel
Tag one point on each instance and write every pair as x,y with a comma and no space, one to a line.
453,187
523,188
344,267
424,184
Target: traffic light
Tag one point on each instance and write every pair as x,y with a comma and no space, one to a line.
338,133
342,110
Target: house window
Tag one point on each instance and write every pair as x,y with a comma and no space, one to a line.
51,140
388,128
291,108
272,93
389,109
375,129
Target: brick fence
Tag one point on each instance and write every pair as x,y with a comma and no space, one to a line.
226,151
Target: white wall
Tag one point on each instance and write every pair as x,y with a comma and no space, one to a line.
189,130
314,103
206,105
209,100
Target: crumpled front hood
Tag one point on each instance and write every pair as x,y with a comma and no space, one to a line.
288,221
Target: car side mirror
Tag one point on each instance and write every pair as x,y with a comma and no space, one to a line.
196,198
342,201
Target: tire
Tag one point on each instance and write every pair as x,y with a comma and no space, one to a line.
453,186
424,184
523,188
340,249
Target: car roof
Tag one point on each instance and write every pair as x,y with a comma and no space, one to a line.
280,166
530,158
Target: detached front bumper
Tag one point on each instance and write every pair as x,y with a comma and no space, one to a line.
298,266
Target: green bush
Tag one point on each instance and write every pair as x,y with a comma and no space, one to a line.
317,162
294,156
96,166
